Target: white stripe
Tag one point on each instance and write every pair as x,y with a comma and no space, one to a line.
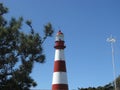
59,54
59,78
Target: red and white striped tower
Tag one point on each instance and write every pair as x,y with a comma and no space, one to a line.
59,76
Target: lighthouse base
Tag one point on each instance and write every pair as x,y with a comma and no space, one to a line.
60,87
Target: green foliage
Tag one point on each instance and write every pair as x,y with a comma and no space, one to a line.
106,87
118,82
18,52
3,9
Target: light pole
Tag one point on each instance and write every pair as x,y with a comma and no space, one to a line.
112,41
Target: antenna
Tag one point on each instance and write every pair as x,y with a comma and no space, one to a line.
112,40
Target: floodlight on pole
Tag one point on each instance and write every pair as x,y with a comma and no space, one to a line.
112,40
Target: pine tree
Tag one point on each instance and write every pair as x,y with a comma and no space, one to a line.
18,52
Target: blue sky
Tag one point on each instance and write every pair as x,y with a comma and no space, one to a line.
86,25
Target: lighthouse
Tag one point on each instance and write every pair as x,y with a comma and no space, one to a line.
59,81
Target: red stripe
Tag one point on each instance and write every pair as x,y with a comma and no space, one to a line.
59,66
59,87
59,45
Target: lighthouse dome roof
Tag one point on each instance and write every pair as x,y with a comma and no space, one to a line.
59,32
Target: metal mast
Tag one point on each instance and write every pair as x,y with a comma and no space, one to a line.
112,41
